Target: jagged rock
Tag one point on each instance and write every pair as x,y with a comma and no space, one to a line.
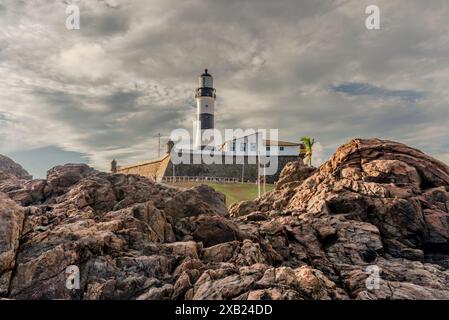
11,225
399,279
214,230
376,213
18,189
107,225
189,265
291,176
60,178
213,286
9,182
294,172
250,253
242,208
383,183
186,249
182,285
315,284
221,252
195,201
157,293
309,283
8,166
273,294
374,198
256,216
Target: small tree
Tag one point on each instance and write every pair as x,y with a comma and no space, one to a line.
307,149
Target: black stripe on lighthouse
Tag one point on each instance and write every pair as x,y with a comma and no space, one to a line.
207,121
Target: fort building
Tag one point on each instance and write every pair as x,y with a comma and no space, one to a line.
239,157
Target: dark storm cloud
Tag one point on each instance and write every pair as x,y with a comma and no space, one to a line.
104,23
122,122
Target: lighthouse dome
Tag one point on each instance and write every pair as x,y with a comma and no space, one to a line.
206,73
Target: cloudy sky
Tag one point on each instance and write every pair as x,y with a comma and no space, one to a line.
306,67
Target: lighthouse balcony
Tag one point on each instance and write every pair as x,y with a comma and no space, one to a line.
205,92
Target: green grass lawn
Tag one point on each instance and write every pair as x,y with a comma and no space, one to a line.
235,192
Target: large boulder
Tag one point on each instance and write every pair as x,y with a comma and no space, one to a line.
400,190
294,172
375,202
197,200
11,225
13,178
7,165
61,178
291,176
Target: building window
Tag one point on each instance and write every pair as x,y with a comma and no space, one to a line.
207,106
281,148
268,149
243,147
233,146
253,146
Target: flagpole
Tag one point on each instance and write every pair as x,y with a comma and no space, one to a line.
264,179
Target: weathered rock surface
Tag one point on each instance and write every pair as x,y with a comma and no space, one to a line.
11,225
13,179
374,203
7,165
371,223
291,176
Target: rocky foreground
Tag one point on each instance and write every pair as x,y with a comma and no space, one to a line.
321,234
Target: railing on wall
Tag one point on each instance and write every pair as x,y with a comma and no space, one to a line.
179,179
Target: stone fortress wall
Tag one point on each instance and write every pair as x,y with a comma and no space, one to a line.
164,167
233,170
152,169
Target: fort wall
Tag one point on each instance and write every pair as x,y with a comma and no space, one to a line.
243,166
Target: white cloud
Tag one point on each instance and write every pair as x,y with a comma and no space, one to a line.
87,61
318,154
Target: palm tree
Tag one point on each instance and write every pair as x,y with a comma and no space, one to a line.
307,149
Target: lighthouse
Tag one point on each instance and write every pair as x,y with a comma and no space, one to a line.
205,105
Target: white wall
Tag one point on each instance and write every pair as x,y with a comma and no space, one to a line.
251,148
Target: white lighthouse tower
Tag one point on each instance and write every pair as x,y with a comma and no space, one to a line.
205,102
